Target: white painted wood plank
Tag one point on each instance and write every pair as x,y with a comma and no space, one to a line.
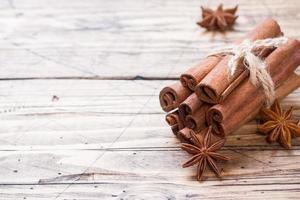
148,165
107,191
91,114
119,39
69,96
48,145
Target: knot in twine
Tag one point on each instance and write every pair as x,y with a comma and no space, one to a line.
256,66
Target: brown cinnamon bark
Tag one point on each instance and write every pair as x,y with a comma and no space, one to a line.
192,112
184,135
247,99
218,83
189,106
197,120
196,73
174,121
251,109
171,96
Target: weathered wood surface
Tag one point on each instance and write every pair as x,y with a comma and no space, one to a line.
62,137
55,147
119,39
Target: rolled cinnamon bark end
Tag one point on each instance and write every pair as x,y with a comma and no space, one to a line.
214,118
172,118
189,106
218,129
206,93
171,96
197,120
184,110
195,123
190,122
174,121
175,128
211,86
196,73
215,114
218,84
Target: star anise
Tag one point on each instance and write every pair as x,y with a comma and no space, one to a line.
278,124
220,19
204,153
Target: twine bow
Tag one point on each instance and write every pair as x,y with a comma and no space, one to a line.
256,66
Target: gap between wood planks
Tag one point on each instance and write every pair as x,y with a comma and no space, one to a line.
145,149
125,78
211,180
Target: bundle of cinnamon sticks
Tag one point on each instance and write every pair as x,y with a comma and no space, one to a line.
208,95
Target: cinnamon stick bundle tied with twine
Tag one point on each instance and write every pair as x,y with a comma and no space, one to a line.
220,81
230,90
212,71
248,98
254,64
223,126
245,64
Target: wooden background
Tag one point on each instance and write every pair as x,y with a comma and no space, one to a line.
79,111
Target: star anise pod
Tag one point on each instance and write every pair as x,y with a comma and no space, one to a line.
278,124
204,153
220,19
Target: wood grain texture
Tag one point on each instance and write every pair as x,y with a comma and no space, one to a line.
161,191
79,122
119,39
51,146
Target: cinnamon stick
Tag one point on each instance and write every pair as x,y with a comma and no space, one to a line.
218,83
174,121
189,106
197,120
251,109
171,96
248,98
196,73
184,135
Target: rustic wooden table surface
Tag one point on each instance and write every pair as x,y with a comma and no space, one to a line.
79,110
